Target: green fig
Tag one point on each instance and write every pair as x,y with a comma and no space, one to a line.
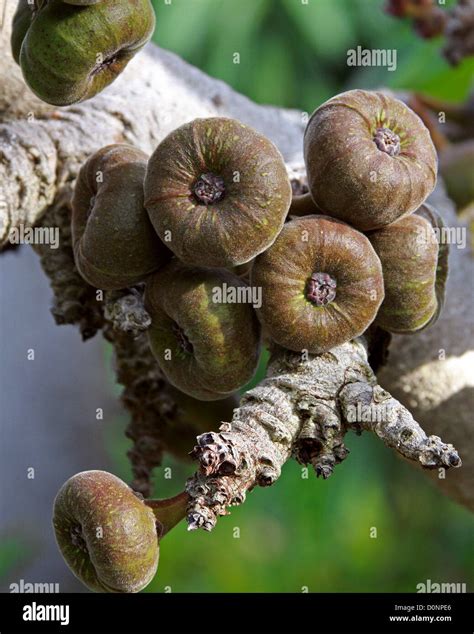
321,282
106,534
204,334
22,20
217,192
115,245
70,53
370,159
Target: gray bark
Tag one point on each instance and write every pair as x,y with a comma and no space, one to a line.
42,148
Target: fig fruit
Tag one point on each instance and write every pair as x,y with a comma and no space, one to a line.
22,20
369,158
217,192
206,346
70,53
410,255
106,534
322,284
115,245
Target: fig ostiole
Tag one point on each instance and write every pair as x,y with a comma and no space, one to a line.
217,192
370,159
70,53
322,284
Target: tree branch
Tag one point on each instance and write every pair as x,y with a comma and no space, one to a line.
303,409
39,159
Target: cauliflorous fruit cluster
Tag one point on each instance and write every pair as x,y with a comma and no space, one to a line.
215,195
207,224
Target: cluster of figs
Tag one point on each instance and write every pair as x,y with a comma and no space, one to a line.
211,215
212,209
207,218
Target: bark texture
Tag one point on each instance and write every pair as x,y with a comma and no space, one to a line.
301,408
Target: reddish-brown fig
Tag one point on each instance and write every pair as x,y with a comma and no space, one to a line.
369,158
217,192
321,283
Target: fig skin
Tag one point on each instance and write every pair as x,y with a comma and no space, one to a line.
318,244
243,218
22,20
350,177
207,350
125,557
409,252
114,243
59,56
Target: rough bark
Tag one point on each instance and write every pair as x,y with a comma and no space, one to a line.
303,408
39,159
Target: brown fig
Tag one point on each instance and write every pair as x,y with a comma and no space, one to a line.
115,245
204,334
217,192
106,534
410,256
369,158
322,284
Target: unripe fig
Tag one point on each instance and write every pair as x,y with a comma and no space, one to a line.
369,158
22,20
206,346
70,53
321,283
106,534
217,192
409,252
456,165
115,245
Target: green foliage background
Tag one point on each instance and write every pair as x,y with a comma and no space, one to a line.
307,532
